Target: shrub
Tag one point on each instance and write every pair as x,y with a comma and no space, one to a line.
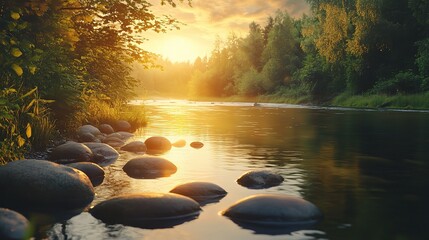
405,82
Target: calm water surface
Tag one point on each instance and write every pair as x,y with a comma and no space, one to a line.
368,171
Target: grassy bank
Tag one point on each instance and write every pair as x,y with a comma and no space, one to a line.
415,101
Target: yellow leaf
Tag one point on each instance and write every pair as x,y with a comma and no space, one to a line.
32,69
28,131
16,52
15,15
18,70
21,141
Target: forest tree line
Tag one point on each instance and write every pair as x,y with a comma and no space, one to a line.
342,47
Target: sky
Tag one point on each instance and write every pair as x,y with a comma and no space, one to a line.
206,20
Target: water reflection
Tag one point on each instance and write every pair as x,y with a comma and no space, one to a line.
366,170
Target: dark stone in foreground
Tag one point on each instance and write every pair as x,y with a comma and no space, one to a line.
38,185
274,210
258,179
92,170
70,152
13,226
202,192
157,145
149,167
103,154
197,145
136,146
147,210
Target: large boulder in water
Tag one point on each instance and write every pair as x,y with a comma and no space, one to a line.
103,154
149,167
38,185
147,210
157,145
202,192
71,152
87,129
92,170
274,210
197,145
136,146
257,179
13,225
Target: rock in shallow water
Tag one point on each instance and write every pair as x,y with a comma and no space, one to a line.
147,210
38,185
258,179
70,152
92,170
197,145
136,146
274,210
13,225
157,145
103,154
149,167
202,192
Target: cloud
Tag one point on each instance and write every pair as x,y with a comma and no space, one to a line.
206,20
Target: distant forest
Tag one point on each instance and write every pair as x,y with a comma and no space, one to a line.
341,47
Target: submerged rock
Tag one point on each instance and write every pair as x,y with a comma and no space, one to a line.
13,225
70,152
274,210
202,192
106,128
257,179
147,210
136,146
43,186
157,145
197,145
92,170
149,167
103,154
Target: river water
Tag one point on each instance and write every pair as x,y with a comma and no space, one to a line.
368,171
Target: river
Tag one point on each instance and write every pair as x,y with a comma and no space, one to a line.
368,171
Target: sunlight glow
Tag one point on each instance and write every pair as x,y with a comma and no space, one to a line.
176,48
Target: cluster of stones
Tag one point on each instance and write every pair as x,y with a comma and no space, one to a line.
66,184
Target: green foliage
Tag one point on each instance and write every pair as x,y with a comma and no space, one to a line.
402,83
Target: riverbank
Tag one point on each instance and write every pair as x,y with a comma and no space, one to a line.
373,101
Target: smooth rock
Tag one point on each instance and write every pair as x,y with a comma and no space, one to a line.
41,185
274,210
88,129
149,167
13,225
71,152
113,141
106,128
202,192
103,153
197,145
88,137
124,135
179,143
92,170
147,210
136,146
157,145
122,125
257,179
